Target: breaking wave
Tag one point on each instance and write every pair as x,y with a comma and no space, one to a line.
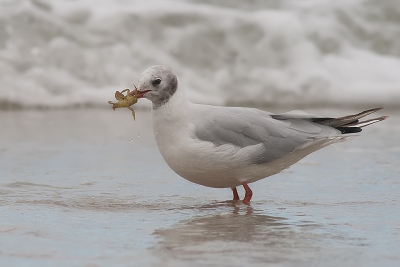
308,53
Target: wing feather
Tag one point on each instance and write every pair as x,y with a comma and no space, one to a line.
272,138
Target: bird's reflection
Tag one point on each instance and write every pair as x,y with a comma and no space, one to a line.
233,206
231,229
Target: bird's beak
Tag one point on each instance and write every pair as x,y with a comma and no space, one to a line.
140,94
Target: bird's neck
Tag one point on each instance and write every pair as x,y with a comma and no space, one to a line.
171,114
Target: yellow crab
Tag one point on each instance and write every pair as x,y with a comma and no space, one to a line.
125,101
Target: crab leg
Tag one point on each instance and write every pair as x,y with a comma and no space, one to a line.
133,113
126,90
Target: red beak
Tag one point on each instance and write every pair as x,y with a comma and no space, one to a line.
140,94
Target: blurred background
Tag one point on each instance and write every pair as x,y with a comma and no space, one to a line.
308,53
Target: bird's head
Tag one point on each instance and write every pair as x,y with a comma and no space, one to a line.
158,84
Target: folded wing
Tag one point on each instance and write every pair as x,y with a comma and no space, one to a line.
273,136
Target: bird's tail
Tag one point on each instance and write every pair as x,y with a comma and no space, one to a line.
350,123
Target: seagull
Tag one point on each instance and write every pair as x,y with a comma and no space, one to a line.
226,147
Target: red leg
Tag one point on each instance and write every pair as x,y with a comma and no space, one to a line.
249,194
235,193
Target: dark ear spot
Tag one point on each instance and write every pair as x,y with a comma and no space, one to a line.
156,81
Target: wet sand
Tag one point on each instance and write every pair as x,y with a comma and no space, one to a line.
88,187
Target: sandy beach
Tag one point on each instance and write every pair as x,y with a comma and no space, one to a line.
87,187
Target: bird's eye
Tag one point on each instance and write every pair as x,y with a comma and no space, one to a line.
156,81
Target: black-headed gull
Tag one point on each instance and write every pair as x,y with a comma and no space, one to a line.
226,147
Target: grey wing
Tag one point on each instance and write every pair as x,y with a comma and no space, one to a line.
273,138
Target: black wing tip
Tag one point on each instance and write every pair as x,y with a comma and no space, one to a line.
349,130
382,118
375,109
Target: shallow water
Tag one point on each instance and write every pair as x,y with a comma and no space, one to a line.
88,188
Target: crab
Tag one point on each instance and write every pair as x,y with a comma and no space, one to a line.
125,101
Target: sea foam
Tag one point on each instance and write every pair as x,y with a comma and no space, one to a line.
295,53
